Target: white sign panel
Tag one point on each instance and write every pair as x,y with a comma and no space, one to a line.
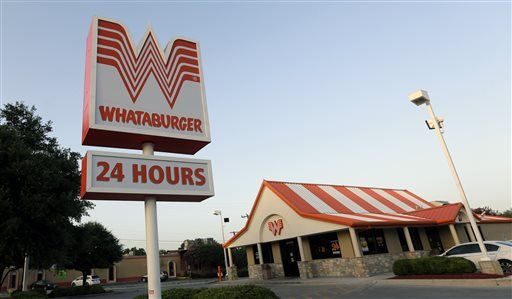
117,176
143,93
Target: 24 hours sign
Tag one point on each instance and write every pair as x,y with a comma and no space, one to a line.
117,176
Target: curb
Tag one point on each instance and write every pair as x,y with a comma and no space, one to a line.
500,282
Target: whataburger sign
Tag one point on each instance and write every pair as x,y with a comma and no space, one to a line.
139,94
135,94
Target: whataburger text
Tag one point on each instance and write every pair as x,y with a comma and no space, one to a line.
146,119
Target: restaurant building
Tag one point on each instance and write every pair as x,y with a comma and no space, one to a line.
317,230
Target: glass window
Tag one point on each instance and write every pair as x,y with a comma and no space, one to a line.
372,241
266,249
255,254
415,238
324,246
491,247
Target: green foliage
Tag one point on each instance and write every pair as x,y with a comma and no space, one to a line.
39,188
243,272
506,213
433,265
77,291
134,251
93,247
235,292
205,257
203,275
28,295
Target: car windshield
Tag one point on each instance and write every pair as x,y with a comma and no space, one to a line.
506,243
95,277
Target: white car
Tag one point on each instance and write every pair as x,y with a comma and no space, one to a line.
90,280
500,251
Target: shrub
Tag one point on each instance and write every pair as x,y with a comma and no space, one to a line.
433,265
76,291
28,295
236,292
243,272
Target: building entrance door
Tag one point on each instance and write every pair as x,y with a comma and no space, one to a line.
290,256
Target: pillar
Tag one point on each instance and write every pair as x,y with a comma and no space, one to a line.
408,239
454,234
355,242
470,232
260,255
301,249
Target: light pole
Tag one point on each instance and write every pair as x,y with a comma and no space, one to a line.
219,213
420,97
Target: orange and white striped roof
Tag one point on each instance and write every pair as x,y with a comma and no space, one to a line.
360,206
353,206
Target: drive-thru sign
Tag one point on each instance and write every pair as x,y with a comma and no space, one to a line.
149,98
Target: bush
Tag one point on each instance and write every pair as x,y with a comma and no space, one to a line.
203,275
433,265
28,295
236,292
243,272
76,291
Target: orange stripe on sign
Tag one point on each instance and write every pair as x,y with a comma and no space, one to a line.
329,200
382,200
401,198
294,199
365,205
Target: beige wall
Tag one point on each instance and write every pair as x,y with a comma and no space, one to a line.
271,207
276,252
392,240
446,237
307,249
347,250
250,255
424,239
496,231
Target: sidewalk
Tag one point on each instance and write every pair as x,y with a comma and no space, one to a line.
382,279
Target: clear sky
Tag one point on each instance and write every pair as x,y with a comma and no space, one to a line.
296,91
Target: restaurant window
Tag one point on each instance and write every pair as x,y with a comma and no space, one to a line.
256,254
324,246
268,257
372,241
415,238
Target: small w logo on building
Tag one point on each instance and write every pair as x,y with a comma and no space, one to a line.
275,226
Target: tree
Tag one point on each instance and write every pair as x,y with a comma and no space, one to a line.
203,256
506,213
485,211
93,247
134,251
39,188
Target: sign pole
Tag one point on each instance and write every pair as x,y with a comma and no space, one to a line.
152,252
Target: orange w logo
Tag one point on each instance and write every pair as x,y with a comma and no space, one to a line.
276,226
181,61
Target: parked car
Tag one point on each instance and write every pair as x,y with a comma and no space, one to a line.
90,280
163,277
46,285
500,251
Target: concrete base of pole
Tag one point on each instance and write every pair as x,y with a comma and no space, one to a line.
490,267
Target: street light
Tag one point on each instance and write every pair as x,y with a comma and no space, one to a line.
421,97
219,213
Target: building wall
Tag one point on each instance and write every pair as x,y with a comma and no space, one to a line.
461,232
424,239
276,252
497,231
250,255
347,250
307,249
446,237
392,240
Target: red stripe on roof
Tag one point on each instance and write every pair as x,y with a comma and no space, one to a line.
383,200
294,199
329,200
361,202
401,198
419,198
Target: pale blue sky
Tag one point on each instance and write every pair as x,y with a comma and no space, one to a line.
303,92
